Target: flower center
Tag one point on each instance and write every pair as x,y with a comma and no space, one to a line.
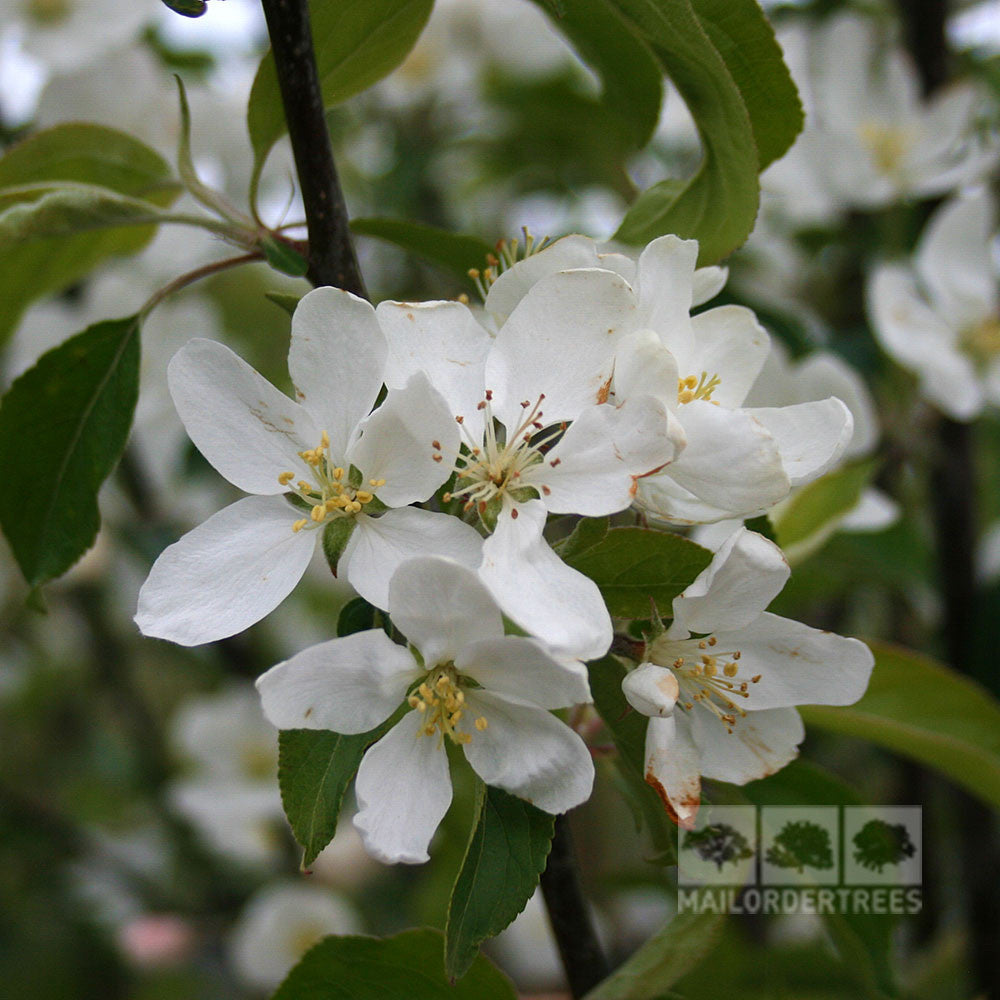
330,491
497,464
508,253
981,341
706,676
698,388
441,701
888,144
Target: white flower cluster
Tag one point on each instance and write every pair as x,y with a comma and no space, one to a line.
425,448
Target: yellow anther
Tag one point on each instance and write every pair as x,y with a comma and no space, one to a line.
376,482
363,496
318,513
685,396
332,504
299,525
730,669
712,640
338,473
352,507
455,718
324,440
481,723
305,487
285,478
703,644
711,669
425,691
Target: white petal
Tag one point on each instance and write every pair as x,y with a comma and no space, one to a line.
745,575
403,790
875,511
528,752
955,259
245,427
644,367
651,690
559,342
443,340
442,607
759,745
811,436
380,544
337,361
398,444
569,253
521,668
731,462
707,283
226,574
798,665
665,287
673,767
536,589
601,455
730,343
348,685
823,374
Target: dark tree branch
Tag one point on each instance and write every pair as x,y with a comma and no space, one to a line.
924,23
574,932
332,260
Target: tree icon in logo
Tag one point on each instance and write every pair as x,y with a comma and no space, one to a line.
879,843
719,843
800,845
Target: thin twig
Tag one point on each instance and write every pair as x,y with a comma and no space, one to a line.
196,275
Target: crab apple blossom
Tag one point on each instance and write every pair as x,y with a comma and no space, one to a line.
465,682
720,684
323,463
535,437
942,319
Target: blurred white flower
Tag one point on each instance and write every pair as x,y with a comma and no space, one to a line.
941,319
280,924
487,692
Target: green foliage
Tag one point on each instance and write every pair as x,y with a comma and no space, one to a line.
923,710
314,769
630,76
879,843
814,512
336,535
356,616
633,566
723,59
189,8
97,159
800,845
670,954
63,426
505,857
406,966
452,251
357,43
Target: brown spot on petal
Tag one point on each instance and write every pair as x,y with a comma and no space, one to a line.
604,391
683,812
308,712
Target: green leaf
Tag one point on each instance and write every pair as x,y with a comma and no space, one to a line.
635,565
189,8
63,427
730,97
452,251
284,257
630,76
355,616
314,769
588,532
663,959
284,301
78,154
923,710
505,857
406,966
811,516
357,42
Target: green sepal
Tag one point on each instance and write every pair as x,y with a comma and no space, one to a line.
491,512
189,8
285,301
355,477
336,535
283,257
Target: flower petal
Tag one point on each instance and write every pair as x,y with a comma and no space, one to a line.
665,286
398,443
707,283
730,463
348,685
226,574
337,362
536,589
559,343
403,790
651,690
245,427
379,544
528,752
730,343
521,668
811,436
742,579
644,367
759,745
798,665
593,469
442,607
443,340
673,767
